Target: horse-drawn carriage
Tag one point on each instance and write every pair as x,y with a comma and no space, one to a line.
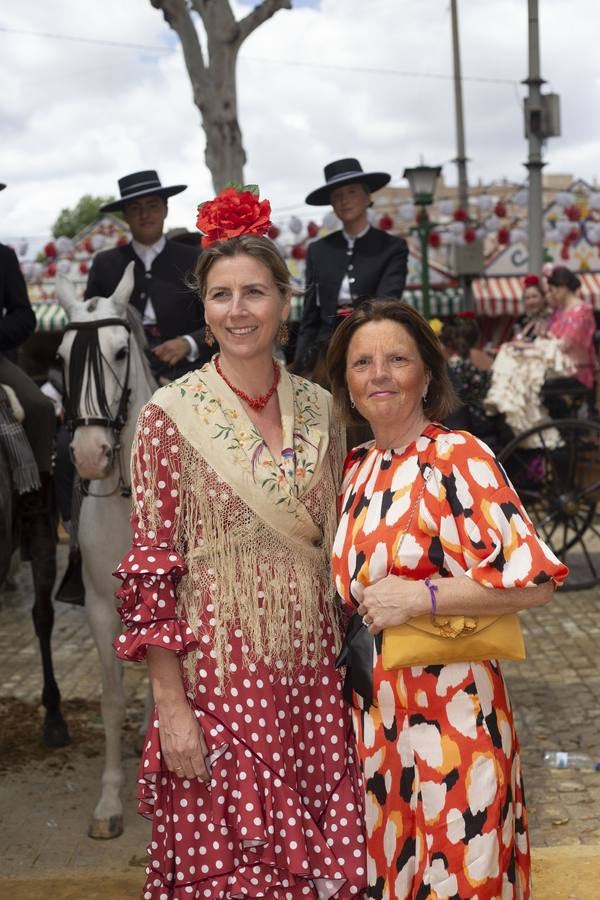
555,468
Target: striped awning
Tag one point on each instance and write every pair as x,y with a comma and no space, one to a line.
50,316
502,295
442,301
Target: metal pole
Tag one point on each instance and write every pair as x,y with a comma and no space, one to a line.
535,163
423,230
461,153
461,157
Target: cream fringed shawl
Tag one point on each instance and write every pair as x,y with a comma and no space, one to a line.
258,560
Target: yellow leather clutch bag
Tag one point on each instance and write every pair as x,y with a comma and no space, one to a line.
438,640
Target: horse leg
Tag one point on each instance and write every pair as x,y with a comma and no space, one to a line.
39,537
107,818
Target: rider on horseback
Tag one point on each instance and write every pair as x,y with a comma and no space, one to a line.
35,507
17,322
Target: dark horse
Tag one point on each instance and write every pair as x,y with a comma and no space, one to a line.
29,520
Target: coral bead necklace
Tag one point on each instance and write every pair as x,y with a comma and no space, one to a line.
257,403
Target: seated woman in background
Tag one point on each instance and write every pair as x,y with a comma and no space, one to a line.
458,337
534,322
531,379
572,323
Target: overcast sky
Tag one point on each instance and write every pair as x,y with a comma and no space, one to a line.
328,79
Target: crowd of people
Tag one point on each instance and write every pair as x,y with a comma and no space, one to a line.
302,746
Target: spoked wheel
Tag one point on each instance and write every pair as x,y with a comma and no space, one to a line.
555,468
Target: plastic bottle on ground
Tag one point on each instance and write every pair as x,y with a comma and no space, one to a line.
560,759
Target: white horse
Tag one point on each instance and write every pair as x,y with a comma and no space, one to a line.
107,381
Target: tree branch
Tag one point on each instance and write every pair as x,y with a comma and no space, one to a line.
177,15
259,14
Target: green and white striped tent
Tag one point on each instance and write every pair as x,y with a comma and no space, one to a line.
50,316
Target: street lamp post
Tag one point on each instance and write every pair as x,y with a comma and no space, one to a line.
422,181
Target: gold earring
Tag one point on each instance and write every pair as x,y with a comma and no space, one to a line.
282,334
209,338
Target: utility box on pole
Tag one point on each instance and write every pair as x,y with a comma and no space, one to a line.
467,259
543,120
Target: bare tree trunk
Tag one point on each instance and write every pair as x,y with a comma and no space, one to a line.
214,82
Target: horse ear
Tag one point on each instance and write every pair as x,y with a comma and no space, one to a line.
66,296
123,291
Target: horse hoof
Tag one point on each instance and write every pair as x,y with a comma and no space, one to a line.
56,733
106,829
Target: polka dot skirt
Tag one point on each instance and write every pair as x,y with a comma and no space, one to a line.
282,815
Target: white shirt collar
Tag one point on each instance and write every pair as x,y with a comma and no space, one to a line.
354,237
148,253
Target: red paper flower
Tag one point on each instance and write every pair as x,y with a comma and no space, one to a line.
50,250
386,223
460,215
500,209
123,241
88,245
564,252
273,232
573,236
83,267
51,270
434,240
298,251
470,235
573,213
233,212
503,235
312,229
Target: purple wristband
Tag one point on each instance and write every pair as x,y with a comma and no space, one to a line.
433,589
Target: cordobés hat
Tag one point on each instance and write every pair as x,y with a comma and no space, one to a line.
345,171
141,184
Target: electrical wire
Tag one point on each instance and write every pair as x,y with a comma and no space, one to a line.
365,70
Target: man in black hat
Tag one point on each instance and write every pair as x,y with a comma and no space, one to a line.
171,312
348,266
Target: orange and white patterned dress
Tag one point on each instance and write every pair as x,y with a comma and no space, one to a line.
445,811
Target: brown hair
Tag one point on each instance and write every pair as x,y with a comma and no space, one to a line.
460,335
561,276
441,399
260,248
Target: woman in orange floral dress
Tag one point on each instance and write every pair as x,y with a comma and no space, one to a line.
445,811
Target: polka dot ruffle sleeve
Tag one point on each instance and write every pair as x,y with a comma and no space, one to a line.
152,568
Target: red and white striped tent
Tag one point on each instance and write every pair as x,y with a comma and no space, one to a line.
499,295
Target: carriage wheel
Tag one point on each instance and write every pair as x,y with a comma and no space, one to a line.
555,468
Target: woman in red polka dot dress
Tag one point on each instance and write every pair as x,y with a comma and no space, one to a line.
248,773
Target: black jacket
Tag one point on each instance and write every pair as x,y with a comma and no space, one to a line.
178,309
17,319
378,266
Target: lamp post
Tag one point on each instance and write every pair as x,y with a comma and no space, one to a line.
422,181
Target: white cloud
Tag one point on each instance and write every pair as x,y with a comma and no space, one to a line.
75,117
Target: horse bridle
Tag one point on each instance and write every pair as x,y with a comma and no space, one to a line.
114,423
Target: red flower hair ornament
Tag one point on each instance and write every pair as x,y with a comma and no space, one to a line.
235,210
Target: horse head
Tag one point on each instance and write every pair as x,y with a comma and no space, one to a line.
95,355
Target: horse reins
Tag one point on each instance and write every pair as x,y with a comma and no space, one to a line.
87,348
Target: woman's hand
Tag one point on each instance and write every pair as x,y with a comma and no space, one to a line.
182,743
393,601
